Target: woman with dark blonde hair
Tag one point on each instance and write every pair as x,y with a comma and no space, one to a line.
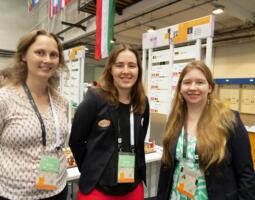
108,132
207,153
3,77
33,122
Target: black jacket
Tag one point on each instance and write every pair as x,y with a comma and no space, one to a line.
93,145
233,179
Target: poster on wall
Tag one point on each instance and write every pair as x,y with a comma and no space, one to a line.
159,76
229,95
175,74
72,80
166,65
248,99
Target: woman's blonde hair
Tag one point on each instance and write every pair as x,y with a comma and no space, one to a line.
17,69
137,93
213,126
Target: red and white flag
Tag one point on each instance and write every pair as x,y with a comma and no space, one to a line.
31,4
57,5
105,13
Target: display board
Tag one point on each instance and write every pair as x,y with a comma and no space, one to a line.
239,97
159,82
164,66
230,96
71,80
248,99
165,61
180,33
164,78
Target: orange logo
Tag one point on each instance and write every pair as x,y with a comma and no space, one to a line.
104,123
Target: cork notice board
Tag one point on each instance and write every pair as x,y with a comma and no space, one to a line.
248,99
229,95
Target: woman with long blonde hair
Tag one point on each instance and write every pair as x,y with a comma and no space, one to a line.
207,153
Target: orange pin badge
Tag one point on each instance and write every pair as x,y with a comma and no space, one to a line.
104,123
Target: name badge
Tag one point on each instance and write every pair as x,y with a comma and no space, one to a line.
48,172
187,183
126,167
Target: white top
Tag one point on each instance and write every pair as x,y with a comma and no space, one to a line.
21,147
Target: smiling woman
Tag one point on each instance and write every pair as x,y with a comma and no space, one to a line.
206,150
28,48
42,58
113,132
33,122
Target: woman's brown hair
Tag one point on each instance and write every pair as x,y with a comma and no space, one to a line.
137,93
17,70
213,126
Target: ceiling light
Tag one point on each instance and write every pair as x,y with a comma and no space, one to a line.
218,10
150,30
113,41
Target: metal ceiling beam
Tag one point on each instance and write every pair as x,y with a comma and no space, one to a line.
233,8
84,28
79,22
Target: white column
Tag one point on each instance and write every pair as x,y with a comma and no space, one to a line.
171,64
149,90
144,60
208,57
198,49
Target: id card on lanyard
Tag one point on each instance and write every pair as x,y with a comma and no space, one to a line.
49,166
126,160
188,178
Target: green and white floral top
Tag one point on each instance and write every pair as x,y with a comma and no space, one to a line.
201,192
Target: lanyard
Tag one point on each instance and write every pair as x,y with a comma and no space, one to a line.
185,143
185,146
57,126
32,102
132,131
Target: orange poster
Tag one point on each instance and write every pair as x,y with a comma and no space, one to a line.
252,140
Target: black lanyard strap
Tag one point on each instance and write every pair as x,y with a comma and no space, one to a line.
185,146
132,140
32,102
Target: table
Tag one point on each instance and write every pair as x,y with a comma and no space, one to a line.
152,169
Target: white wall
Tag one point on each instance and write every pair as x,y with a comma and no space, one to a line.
14,22
4,62
71,14
235,61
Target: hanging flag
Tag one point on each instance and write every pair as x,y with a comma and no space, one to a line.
53,7
31,4
64,3
57,5
105,13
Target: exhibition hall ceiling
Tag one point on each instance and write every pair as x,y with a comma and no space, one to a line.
235,24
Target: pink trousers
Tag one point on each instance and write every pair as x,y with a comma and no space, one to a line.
136,194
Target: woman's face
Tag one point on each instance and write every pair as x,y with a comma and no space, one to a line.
42,58
195,88
125,71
